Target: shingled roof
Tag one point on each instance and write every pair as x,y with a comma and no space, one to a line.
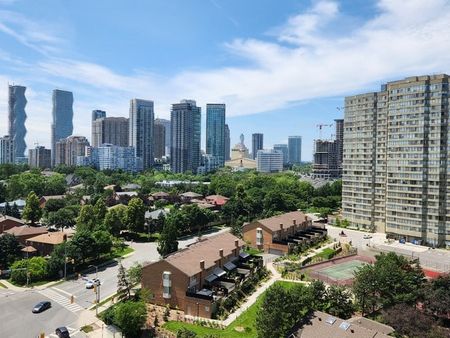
287,219
207,249
26,230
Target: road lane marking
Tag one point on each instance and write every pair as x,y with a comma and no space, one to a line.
61,300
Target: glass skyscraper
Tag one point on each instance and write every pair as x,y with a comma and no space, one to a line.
185,121
62,114
227,143
295,149
142,119
257,144
215,131
17,117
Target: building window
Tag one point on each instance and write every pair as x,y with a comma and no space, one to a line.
167,284
259,236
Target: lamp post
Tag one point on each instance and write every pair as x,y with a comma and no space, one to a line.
96,269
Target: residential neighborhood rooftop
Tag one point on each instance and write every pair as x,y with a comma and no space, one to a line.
26,230
273,223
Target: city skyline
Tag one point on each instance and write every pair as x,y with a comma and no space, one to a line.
259,51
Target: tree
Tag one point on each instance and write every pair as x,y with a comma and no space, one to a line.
123,284
15,211
114,221
167,242
130,317
409,321
32,212
318,293
55,185
100,211
36,267
103,242
63,218
83,245
436,297
86,219
9,250
53,205
365,289
280,309
338,302
136,215
134,273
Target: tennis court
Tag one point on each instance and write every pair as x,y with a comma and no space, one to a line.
342,271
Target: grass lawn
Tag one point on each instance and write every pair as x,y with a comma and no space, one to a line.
116,253
245,321
253,251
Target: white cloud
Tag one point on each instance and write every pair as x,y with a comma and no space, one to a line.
301,60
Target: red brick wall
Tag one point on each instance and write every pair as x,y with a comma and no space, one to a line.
198,307
152,280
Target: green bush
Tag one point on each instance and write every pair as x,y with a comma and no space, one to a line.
36,267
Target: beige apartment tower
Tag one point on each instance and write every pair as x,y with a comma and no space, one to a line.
395,167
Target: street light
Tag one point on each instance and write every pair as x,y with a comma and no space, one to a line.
96,269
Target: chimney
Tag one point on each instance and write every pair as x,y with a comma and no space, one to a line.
221,252
281,226
202,264
236,243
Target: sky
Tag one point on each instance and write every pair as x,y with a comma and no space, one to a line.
281,67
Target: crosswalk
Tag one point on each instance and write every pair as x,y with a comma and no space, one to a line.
61,300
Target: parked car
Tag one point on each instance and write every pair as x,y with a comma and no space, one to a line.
367,236
90,283
41,306
62,332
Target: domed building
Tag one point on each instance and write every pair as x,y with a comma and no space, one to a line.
240,157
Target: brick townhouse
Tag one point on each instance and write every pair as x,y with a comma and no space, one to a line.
194,278
279,234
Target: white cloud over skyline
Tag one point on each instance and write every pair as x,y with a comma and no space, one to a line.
302,59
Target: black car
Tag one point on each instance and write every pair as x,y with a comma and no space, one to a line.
62,332
41,306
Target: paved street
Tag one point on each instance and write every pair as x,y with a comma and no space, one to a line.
17,320
15,306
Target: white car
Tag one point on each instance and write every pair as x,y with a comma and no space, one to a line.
367,236
90,283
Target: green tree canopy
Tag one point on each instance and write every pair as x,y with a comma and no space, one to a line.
167,242
136,215
9,250
130,317
32,212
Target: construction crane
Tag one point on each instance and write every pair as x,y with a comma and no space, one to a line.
320,126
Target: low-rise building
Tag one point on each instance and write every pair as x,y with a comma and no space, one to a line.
8,222
279,234
24,232
44,199
269,161
187,197
45,243
319,324
196,278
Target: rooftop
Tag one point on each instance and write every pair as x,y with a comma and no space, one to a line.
191,194
207,249
287,219
6,217
320,325
26,230
49,238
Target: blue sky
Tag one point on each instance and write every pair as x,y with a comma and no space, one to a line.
282,67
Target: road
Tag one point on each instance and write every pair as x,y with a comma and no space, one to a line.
15,306
435,259
17,320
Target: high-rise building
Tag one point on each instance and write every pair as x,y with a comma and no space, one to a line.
112,157
141,130
98,114
62,114
167,129
17,117
227,143
159,140
7,154
395,167
40,157
283,148
269,161
111,130
295,149
257,144
327,155
215,131
185,132
68,149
